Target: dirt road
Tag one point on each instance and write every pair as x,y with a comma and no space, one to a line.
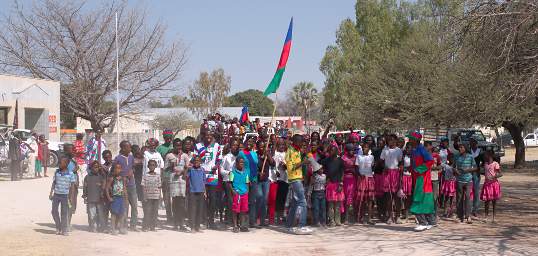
26,228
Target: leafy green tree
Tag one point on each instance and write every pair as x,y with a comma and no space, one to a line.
258,104
379,28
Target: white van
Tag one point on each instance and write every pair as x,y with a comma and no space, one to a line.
531,140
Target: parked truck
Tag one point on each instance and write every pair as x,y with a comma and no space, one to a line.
464,135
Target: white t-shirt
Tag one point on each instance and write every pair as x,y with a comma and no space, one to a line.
407,166
280,157
228,163
392,157
365,164
153,156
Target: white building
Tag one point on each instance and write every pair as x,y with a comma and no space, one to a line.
142,122
38,104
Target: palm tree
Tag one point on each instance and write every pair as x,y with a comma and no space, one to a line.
305,94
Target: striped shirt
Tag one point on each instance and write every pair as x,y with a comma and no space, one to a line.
465,161
63,181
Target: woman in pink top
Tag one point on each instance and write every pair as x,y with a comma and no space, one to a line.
491,190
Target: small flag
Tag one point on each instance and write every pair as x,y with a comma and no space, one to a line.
275,82
244,115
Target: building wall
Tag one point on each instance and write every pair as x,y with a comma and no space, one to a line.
38,97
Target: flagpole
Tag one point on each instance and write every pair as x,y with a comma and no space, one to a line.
269,137
117,84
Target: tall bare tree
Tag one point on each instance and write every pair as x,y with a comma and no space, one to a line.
209,92
69,42
177,121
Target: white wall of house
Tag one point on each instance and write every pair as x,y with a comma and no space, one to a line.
38,104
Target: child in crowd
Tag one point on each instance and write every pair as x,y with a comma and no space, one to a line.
197,193
106,172
138,169
92,193
61,194
177,185
239,184
116,191
491,190
318,183
350,182
282,177
406,183
366,186
334,169
151,182
392,157
448,189
152,154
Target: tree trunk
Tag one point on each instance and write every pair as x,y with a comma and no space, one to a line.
516,130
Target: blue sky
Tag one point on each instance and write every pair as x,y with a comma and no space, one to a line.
245,37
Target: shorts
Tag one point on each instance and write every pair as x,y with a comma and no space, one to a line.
240,203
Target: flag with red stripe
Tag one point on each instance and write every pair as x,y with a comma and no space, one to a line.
275,82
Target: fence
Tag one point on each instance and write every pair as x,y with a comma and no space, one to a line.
135,138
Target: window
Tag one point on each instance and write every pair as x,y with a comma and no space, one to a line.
530,137
3,115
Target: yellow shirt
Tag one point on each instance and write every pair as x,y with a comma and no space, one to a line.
293,157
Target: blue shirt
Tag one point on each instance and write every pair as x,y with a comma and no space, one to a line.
196,180
126,163
251,164
63,181
464,162
239,181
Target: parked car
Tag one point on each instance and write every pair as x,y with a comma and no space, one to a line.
465,135
531,140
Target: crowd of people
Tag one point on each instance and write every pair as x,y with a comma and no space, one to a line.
294,180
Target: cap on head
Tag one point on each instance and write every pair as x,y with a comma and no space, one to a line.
414,135
168,133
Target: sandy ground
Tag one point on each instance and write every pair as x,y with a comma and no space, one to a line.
26,228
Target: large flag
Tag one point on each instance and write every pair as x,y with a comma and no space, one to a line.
275,82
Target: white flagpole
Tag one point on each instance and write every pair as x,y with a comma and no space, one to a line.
117,84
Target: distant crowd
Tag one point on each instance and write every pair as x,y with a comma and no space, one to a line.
223,180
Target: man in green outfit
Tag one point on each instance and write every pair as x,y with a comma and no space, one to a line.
164,149
423,203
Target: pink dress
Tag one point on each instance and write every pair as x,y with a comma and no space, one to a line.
350,180
491,190
449,181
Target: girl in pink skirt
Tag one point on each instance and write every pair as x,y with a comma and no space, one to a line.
350,181
333,167
365,186
448,189
491,190
392,157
